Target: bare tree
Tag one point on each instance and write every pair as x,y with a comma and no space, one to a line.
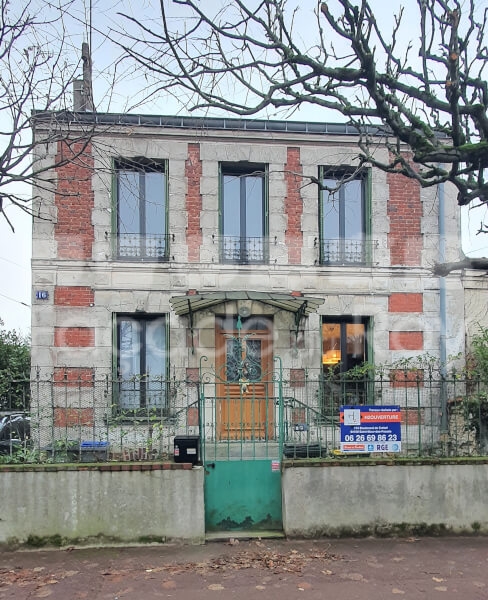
425,99
36,77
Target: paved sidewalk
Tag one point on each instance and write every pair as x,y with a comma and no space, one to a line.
368,569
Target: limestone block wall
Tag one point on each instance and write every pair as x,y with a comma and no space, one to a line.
476,304
87,286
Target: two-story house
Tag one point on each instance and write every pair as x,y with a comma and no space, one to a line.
171,247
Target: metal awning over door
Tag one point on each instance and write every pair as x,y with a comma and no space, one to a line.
301,306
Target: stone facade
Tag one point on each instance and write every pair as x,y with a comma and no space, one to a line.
75,256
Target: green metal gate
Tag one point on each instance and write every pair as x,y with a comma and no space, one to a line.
241,425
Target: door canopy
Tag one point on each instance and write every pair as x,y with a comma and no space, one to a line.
297,304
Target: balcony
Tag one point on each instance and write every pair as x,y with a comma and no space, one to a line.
141,247
346,252
242,250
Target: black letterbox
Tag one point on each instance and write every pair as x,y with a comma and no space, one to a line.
186,449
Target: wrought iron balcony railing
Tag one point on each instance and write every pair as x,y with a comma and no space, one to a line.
137,246
346,252
243,250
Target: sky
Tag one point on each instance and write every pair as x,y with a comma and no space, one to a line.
15,247
15,255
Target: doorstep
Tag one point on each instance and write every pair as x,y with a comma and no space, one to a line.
225,536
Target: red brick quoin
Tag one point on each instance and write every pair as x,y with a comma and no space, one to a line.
401,378
73,376
293,206
73,230
74,337
193,172
73,417
405,213
409,303
73,296
406,340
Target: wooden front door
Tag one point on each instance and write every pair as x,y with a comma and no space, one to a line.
245,404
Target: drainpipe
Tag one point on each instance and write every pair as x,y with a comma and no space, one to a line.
443,310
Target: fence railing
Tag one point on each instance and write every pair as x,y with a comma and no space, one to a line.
86,420
439,416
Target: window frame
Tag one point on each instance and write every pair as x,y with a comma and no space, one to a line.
343,321
142,165
338,173
143,409
336,388
241,170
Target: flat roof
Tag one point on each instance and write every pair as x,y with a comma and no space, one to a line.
206,123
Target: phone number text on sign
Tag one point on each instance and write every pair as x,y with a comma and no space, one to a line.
370,429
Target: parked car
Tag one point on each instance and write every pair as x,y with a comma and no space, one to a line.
14,432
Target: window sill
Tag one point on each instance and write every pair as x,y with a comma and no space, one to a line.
140,420
142,259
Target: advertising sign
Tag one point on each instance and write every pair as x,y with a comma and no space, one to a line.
367,429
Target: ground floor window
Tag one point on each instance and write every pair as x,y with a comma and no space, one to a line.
141,362
343,343
344,350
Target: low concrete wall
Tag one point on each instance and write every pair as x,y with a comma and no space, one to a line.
385,499
146,503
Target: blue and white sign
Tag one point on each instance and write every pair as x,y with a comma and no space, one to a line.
366,429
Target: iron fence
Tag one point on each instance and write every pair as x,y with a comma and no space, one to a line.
440,416
84,419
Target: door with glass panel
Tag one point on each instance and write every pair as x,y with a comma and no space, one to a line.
245,404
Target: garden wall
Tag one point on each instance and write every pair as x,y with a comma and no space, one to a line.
157,502
63,504
332,499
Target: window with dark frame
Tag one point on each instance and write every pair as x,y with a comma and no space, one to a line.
243,213
141,210
142,363
342,214
344,350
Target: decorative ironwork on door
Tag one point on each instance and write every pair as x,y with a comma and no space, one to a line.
244,381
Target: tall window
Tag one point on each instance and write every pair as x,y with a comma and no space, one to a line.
342,218
142,362
141,210
243,213
343,348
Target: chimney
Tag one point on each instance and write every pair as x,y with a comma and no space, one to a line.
78,103
82,88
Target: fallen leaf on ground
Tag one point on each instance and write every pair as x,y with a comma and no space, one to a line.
43,593
305,586
216,587
353,576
